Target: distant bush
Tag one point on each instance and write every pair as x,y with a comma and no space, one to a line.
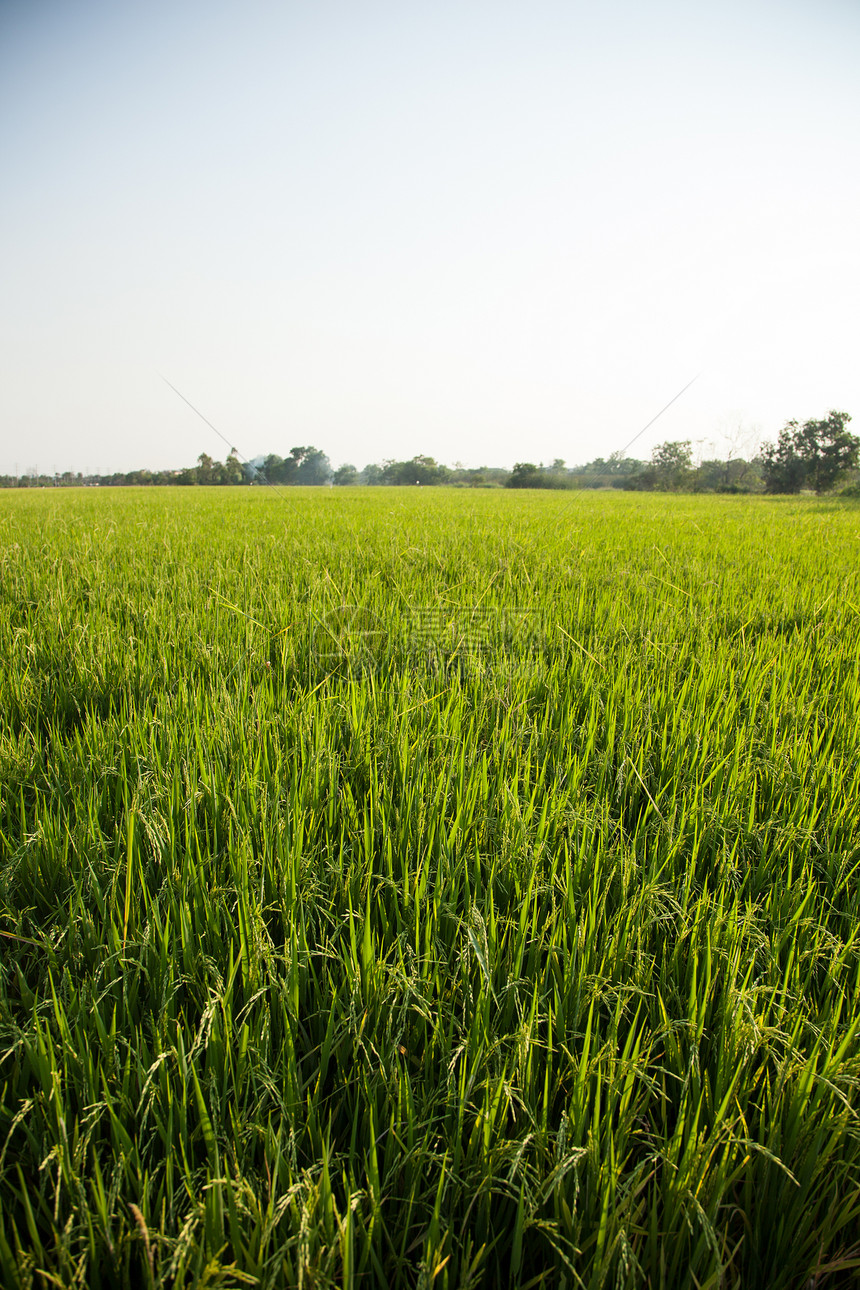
526,475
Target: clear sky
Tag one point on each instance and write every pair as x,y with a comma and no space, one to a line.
485,230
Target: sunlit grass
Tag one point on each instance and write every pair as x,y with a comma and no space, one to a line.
385,965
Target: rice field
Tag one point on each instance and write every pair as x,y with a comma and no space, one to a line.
425,888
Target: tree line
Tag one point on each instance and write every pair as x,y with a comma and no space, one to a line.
816,456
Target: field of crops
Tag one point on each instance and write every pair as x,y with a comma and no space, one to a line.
419,887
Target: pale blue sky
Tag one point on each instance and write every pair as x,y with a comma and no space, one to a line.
483,231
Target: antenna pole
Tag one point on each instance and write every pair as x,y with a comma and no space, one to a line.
659,414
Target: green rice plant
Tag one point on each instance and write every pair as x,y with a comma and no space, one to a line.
428,889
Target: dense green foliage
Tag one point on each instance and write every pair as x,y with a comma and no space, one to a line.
815,455
306,465
340,952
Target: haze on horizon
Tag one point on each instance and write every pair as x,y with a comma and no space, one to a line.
487,232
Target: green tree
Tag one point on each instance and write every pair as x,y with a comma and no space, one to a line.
231,471
204,468
735,475
346,475
672,462
526,474
814,455
272,469
306,465
419,470
312,466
